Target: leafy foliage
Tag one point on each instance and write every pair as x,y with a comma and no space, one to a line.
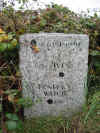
7,41
13,122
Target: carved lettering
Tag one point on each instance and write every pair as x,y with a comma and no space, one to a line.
52,44
54,93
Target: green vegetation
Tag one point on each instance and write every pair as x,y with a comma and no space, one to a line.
58,19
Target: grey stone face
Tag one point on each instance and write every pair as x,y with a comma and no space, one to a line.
1,5
54,69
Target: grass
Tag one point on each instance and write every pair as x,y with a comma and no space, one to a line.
61,125
87,121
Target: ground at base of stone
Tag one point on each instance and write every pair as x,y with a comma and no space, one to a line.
62,125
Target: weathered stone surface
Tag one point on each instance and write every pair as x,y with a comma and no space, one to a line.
55,74
1,5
